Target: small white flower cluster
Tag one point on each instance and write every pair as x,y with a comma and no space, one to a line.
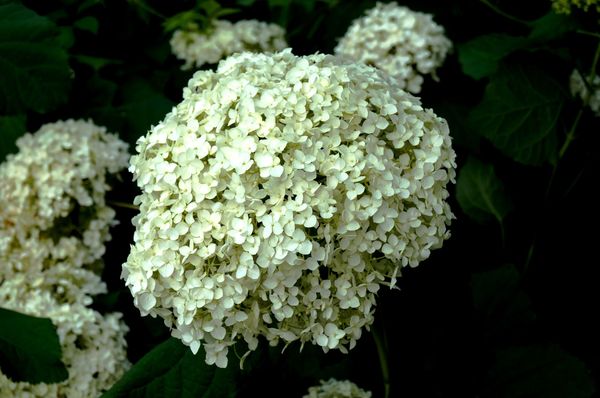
279,195
405,43
226,38
580,89
337,389
54,220
93,346
54,223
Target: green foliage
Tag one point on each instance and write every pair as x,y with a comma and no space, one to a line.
480,57
519,113
171,370
521,369
538,371
11,128
34,72
551,27
480,193
470,325
503,305
200,18
141,107
30,349
89,24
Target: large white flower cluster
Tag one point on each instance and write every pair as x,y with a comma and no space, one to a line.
54,221
405,43
580,89
93,345
226,38
279,195
337,389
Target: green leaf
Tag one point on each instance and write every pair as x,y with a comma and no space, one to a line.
222,12
500,301
30,349
480,57
104,91
142,106
462,133
185,20
96,63
519,113
538,371
66,37
19,22
551,26
11,128
34,72
88,24
480,193
171,370
86,4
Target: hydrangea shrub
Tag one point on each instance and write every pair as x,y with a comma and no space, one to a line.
278,197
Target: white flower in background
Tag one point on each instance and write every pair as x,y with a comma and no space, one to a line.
54,221
581,90
226,38
93,345
337,389
405,43
279,195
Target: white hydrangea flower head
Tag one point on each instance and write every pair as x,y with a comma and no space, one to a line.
93,345
337,389
279,195
53,217
226,38
580,89
407,44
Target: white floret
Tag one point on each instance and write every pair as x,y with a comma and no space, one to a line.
317,181
406,44
589,95
226,38
337,389
54,221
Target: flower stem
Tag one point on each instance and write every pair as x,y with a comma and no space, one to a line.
503,13
142,4
561,153
122,204
588,33
381,352
571,134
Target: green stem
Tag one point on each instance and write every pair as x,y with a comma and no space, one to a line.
504,14
529,257
594,63
588,33
571,134
142,4
122,204
385,373
563,149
